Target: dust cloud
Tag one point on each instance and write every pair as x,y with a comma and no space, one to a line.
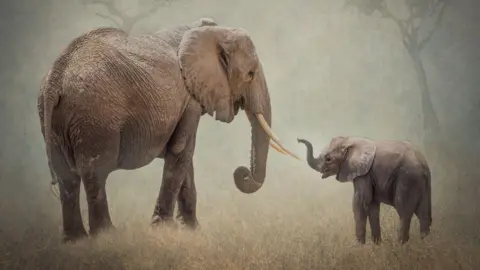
330,72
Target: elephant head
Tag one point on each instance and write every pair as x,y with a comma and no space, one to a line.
345,157
222,71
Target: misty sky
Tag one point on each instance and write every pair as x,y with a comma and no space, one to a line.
330,72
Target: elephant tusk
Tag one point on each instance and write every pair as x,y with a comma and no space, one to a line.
276,147
272,144
272,136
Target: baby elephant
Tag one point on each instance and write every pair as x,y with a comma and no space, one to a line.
390,172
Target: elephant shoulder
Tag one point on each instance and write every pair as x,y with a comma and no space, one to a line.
414,158
151,52
172,36
389,150
389,156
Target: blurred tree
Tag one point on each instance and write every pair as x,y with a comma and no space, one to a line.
419,12
123,20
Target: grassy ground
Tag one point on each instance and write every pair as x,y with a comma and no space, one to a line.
286,225
260,244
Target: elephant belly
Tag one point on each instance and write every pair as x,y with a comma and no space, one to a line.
141,151
384,196
140,159
384,199
145,137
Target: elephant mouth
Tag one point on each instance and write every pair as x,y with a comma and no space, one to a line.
326,174
227,115
237,105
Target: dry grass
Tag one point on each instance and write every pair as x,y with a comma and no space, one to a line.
283,226
262,243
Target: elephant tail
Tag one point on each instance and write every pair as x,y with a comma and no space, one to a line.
51,99
429,194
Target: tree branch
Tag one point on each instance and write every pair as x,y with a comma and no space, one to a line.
111,7
403,26
109,18
436,25
126,20
148,12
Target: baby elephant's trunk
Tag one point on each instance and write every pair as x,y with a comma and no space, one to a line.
312,162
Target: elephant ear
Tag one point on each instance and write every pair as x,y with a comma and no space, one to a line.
359,157
204,62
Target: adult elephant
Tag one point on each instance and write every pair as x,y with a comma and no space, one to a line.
113,101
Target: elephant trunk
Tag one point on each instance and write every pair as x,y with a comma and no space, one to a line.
259,112
312,162
251,180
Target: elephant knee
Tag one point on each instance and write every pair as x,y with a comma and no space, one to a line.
179,144
361,201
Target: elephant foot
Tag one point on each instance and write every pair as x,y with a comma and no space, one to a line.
361,239
423,235
376,240
158,222
403,240
73,237
189,221
191,224
108,227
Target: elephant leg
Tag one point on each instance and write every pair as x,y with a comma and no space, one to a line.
69,185
362,199
174,173
73,228
178,171
423,214
187,200
374,220
98,214
360,215
405,205
404,233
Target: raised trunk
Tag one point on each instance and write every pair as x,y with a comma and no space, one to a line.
251,180
312,162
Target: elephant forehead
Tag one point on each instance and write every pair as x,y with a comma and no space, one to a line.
338,141
325,150
242,40
246,45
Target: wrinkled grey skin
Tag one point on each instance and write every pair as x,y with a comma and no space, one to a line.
113,101
389,172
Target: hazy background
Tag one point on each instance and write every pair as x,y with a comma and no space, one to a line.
330,72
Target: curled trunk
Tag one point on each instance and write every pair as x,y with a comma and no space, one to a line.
251,180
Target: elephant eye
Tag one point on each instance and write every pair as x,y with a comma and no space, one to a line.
328,158
251,73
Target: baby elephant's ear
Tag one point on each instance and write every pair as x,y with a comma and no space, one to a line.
359,158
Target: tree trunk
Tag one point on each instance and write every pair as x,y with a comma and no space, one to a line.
128,26
431,125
